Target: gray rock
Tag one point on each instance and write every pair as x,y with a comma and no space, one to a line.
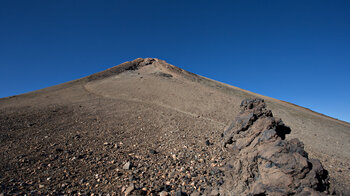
127,165
180,193
163,193
214,192
129,189
152,151
195,193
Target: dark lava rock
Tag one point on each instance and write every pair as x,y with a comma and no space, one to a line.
180,193
59,150
162,74
262,162
207,142
152,151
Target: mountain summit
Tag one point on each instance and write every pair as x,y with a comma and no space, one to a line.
148,127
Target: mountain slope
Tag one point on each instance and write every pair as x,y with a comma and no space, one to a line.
141,110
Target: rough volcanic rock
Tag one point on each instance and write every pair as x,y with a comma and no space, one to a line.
262,162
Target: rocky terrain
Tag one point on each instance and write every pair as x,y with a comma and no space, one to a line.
146,127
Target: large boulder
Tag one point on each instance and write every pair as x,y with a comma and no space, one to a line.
263,162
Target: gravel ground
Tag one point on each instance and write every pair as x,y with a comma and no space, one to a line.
152,129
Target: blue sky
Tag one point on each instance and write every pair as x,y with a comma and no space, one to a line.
296,51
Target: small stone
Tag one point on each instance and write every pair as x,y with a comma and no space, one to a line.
174,156
180,193
82,181
171,174
152,151
207,142
31,124
127,165
129,189
195,193
163,193
132,178
214,192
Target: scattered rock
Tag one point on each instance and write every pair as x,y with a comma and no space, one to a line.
214,192
127,165
31,124
162,74
129,189
195,193
180,193
187,161
163,193
83,180
152,151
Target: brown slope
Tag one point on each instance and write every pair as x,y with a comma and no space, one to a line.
115,104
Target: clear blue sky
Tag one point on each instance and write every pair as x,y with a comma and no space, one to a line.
297,51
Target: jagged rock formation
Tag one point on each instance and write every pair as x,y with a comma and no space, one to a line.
263,162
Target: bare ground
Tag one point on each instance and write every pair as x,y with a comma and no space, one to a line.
79,137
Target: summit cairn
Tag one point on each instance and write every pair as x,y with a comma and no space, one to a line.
263,162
